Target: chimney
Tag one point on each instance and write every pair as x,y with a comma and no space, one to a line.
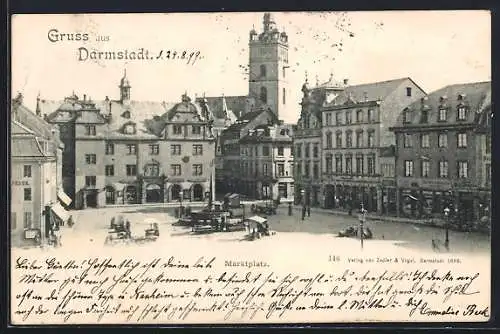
346,82
84,97
365,94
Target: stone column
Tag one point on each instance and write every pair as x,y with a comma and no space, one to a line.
398,202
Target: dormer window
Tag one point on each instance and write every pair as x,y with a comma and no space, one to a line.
461,97
461,113
126,114
424,116
443,114
177,129
407,116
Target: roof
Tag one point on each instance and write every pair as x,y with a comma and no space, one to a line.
476,96
23,147
370,91
234,106
266,133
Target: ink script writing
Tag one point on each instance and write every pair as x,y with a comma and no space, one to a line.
169,289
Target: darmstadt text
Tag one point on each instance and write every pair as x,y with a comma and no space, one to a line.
142,54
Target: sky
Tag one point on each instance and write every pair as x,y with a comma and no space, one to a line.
434,48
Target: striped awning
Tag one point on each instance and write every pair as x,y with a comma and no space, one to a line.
65,199
60,212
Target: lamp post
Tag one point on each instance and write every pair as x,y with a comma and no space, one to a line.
303,199
362,218
181,195
447,223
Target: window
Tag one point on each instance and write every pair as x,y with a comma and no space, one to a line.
315,151
90,159
176,170
329,140
338,139
424,116
132,148
348,164
408,91
359,116
175,149
407,140
443,169
462,140
298,152
281,169
131,170
27,171
265,151
262,70
408,168
488,144
281,151
152,170
27,194
461,113
426,165
329,118
307,150
154,149
329,162
284,72
299,170
197,149
306,169
348,119
90,130
424,140
371,115
337,119
177,129
359,139
387,170
110,148
110,170
27,222
284,95
196,129
371,164
443,140
407,116
442,114
359,165
463,169
316,170
348,139
371,139
265,169
263,94
197,169
90,181
338,164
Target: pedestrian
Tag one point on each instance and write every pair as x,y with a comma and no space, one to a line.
127,228
303,212
308,211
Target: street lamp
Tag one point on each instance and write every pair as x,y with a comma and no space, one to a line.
447,222
362,219
181,194
303,199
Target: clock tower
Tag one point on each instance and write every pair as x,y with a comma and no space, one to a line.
269,67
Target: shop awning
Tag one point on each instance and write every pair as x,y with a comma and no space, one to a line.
412,197
258,219
60,212
64,198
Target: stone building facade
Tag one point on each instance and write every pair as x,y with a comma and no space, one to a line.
444,153
126,152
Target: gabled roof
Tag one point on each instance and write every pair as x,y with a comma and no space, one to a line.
266,133
25,147
234,107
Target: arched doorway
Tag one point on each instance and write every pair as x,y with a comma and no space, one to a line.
175,192
197,193
130,194
110,195
153,193
329,196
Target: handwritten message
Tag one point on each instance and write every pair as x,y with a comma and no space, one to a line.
209,289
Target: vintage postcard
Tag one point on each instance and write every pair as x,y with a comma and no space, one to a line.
245,168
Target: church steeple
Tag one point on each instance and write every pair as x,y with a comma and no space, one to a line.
124,88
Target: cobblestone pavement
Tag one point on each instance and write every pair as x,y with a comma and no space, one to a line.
92,224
